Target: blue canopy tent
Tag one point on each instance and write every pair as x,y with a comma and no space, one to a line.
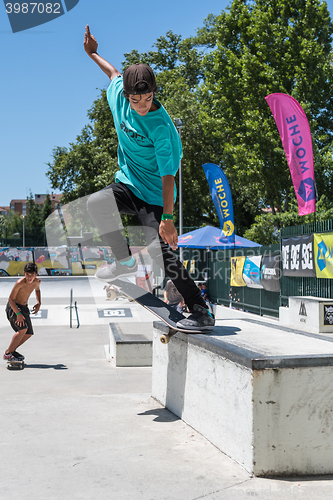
208,237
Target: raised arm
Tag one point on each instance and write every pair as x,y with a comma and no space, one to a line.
90,46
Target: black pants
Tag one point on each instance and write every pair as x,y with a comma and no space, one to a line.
104,208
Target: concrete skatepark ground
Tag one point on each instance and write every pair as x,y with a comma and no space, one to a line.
75,427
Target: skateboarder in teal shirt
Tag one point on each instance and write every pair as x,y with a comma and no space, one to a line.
149,153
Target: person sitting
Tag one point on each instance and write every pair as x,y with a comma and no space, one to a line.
172,297
204,292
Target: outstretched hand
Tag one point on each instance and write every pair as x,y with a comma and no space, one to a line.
90,44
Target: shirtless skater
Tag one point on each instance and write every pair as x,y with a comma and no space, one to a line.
18,312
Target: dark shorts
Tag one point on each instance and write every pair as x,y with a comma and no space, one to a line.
12,317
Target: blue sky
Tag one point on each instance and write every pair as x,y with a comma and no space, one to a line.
48,83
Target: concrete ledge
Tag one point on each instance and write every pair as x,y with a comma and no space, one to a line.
262,395
128,347
311,314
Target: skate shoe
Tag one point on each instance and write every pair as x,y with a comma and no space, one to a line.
10,357
19,356
116,270
200,320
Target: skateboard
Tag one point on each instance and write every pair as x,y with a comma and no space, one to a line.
163,311
15,365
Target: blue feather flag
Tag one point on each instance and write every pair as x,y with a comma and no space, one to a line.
221,195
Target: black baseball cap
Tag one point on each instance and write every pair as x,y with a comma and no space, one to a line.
139,79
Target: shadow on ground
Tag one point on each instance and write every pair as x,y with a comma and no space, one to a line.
162,415
45,367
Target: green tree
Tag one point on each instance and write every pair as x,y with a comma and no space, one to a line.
46,208
13,223
33,223
217,82
260,47
265,229
2,224
3,228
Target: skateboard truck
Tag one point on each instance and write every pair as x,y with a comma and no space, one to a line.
15,365
165,338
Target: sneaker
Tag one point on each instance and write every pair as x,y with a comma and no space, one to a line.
10,357
19,356
116,270
200,319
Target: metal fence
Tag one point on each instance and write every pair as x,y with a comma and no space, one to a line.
214,267
324,226
33,237
298,286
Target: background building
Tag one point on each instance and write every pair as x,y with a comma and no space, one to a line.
20,206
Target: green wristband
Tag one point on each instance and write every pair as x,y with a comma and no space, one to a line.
18,313
167,216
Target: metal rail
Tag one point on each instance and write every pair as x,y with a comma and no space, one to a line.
71,307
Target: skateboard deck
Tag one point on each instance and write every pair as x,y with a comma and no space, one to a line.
15,365
163,311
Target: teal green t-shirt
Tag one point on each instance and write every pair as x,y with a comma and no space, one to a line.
149,146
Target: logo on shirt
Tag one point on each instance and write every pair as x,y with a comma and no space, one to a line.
131,133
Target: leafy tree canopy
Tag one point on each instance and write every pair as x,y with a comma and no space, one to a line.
217,81
46,208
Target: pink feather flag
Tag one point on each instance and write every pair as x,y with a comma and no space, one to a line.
296,139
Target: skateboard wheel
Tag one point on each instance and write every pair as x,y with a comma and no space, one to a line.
111,294
165,339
